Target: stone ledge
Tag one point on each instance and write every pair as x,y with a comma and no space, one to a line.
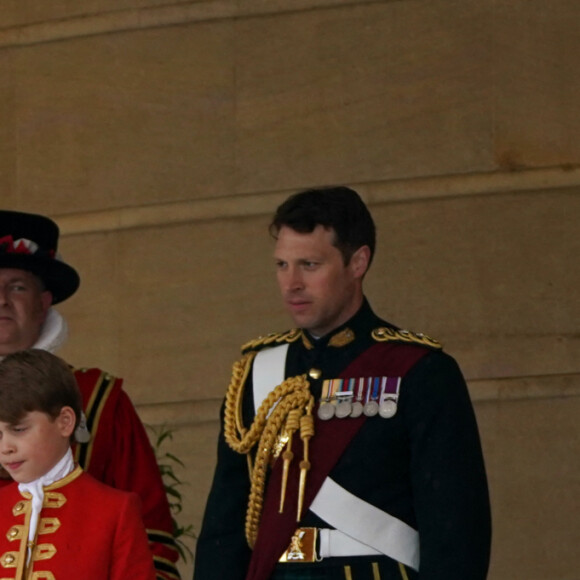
181,413
525,388
377,193
188,413
157,17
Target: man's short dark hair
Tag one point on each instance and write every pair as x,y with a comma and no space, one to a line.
339,208
36,380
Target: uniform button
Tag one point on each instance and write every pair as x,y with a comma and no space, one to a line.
314,373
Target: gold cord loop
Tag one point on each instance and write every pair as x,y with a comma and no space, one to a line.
285,408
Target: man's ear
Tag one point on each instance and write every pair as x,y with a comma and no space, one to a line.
66,421
360,260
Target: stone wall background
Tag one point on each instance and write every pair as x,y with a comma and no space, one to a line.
161,135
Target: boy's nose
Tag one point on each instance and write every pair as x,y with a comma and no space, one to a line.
6,448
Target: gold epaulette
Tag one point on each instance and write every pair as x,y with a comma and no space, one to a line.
272,339
386,334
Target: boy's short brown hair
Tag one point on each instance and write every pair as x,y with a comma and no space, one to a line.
36,380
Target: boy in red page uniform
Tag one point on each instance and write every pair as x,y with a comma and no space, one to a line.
57,522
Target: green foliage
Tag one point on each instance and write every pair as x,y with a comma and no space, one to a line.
167,462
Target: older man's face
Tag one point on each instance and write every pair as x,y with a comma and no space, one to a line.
23,308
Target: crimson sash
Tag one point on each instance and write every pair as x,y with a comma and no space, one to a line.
326,447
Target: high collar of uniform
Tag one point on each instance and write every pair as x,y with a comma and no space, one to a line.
361,323
54,332
36,489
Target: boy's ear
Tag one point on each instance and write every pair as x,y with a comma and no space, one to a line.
66,421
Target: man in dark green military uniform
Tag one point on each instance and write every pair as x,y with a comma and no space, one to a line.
349,448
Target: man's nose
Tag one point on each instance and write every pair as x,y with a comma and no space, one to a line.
294,279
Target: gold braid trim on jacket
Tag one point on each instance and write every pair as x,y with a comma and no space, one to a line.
291,398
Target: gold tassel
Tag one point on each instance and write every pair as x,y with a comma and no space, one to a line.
292,424
306,432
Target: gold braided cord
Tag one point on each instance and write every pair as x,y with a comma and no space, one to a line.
233,408
289,399
299,399
243,441
386,334
273,338
234,429
244,371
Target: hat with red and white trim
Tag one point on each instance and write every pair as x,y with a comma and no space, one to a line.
30,242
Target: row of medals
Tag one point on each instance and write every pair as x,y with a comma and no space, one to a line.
341,405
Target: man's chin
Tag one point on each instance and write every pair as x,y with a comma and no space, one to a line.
300,320
9,343
6,349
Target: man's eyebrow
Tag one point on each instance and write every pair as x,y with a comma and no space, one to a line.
22,280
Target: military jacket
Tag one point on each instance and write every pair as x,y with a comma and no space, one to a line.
424,465
86,530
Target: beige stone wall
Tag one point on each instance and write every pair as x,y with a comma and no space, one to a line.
162,135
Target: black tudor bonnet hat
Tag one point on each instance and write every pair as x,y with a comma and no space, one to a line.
29,242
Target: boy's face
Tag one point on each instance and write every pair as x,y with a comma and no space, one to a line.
33,446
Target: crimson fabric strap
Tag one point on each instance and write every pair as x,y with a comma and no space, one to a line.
100,392
326,447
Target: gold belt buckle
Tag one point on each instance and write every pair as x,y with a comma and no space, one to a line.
302,548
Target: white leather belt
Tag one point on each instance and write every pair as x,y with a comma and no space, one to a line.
370,525
334,543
